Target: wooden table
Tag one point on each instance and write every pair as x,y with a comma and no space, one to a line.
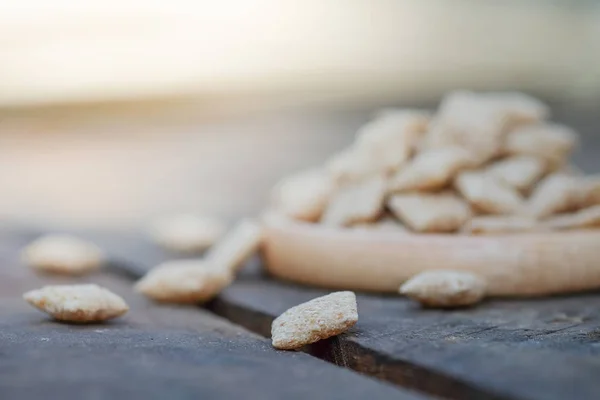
503,349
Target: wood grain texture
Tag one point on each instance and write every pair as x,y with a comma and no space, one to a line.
544,348
153,352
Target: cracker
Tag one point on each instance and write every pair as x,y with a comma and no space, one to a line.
445,289
62,254
557,193
392,137
431,169
184,281
314,320
582,219
353,164
520,108
237,246
355,203
468,120
77,303
520,172
499,224
488,194
552,142
186,233
304,196
430,212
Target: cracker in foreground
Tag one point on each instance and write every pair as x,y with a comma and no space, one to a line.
186,233
552,142
62,254
314,320
445,289
304,195
231,252
430,212
520,172
488,194
356,203
582,219
557,193
184,281
500,224
77,303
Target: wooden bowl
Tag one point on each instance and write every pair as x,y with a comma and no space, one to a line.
525,264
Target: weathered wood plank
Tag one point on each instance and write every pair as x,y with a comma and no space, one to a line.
504,349
153,352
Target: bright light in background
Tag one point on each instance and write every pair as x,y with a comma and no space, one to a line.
98,50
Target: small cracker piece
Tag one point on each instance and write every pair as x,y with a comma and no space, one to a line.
582,219
552,142
77,303
445,289
520,172
314,320
392,137
488,194
304,195
186,233
431,169
62,254
184,281
237,246
430,212
499,224
356,203
557,193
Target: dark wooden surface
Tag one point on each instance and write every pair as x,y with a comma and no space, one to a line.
503,349
153,352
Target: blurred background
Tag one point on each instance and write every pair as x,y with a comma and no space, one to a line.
112,112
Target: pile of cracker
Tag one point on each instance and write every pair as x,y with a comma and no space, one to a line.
483,163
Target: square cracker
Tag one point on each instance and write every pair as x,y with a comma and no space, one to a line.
555,194
430,212
488,194
552,142
356,202
520,172
431,169
586,218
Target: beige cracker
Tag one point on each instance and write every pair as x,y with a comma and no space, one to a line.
314,320
184,281
62,254
356,203
231,252
431,170
186,233
488,194
445,289
430,212
520,172
77,303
